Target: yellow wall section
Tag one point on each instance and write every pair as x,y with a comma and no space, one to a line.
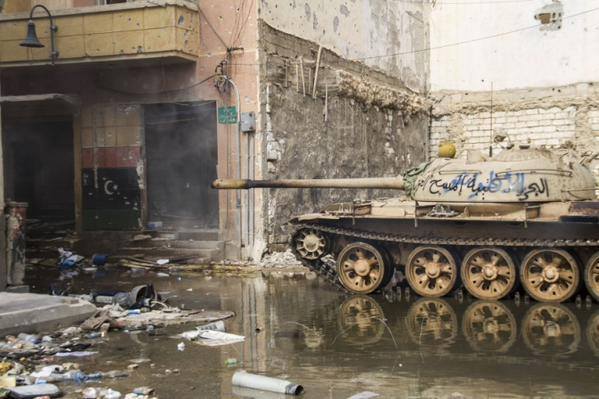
110,31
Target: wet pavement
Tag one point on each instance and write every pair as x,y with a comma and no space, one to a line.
337,345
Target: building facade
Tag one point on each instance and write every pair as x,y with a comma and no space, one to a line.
127,126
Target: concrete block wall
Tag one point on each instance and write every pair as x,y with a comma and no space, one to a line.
549,117
547,127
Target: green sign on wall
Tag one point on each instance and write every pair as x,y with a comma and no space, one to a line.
227,115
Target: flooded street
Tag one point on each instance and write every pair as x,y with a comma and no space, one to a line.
337,345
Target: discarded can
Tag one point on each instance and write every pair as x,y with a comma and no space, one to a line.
244,379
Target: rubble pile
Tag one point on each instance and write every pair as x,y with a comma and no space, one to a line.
280,259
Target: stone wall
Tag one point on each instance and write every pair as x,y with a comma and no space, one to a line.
360,123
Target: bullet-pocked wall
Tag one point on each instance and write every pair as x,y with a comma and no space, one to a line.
388,35
324,117
525,71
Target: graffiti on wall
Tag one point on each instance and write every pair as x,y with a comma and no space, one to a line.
474,185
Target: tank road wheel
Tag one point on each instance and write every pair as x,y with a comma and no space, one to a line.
310,244
362,268
431,271
549,275
489,327
488,273
591,276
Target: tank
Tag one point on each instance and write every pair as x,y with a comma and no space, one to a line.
527,217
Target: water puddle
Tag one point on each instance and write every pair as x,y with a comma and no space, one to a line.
337,345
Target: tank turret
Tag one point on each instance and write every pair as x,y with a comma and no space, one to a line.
527,217
515,175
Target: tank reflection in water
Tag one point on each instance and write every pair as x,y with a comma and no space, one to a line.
486,326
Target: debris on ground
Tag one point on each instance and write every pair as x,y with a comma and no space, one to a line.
218,338
364,395
280,259
134,262
244,379
194,334
35,391
68,259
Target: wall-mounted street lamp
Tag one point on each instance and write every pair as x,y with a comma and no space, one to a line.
32,41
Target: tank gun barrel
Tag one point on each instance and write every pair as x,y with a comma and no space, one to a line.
395,183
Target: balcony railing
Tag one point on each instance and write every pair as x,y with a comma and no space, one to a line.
115,32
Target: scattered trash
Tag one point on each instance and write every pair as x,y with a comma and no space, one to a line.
218,338
33,391
5,367
143,391
162,261
160,274
231,362
99,260
111,394
215,326
8,381
364,395
244,379
181,347
155,225
195,334
68,259
90,393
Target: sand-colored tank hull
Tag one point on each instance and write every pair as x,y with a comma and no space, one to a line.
547,252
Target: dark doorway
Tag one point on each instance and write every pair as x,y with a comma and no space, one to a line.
39,167
181,156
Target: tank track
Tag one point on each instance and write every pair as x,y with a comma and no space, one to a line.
326,267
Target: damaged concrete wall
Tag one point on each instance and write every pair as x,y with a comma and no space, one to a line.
381,33
360,123
502,42
551,117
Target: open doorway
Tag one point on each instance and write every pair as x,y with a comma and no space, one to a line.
39,168
181,156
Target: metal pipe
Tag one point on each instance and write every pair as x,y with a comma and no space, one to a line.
234,85
395,183
244,379
3,267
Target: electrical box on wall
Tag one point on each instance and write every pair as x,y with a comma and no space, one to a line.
248,122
